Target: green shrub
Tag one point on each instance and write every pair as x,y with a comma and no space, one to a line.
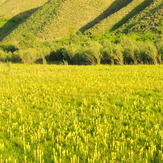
29,36
75,55
87,53
56,55
80,58
159,45
130,50
92,51
27,44
66,53
30,55
107,52
82,50
3,56
43,54
118,54
15,57
148,52
147,37
9,47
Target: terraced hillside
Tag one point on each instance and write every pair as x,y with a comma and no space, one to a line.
57,18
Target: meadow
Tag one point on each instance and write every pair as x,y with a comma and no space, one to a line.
63,113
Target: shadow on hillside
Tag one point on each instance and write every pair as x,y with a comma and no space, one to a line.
2,3
134,12
114,7
14,22
137,22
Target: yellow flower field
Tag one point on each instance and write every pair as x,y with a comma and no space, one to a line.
61,113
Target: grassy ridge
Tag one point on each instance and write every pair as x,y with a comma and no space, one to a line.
14,12
113,8
8,25
57,18
149,20
144,14
109,21
52,21
80,113
11,8
134,12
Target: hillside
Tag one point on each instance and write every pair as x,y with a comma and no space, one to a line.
57,18
149,20
136,16
11,8
13,12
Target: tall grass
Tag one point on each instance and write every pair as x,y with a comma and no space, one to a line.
81,114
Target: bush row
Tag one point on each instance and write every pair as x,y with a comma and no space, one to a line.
126,51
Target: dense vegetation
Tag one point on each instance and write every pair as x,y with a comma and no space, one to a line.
62,32
102,113
80,49
80,113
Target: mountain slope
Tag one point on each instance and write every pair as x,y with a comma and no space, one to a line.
11,8
57,18
135,11
149,20
14,12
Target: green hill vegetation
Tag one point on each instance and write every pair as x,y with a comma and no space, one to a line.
14,12
56,18
137,15
11,8
84,32
149,20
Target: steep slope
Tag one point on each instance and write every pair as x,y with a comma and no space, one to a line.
140,9
2,1
151,19
57,18
14,12
11,8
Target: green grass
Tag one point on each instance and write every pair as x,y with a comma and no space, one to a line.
66,113
14,12
11,8
113,8
8,25
3,22
149,20
134,12
51,21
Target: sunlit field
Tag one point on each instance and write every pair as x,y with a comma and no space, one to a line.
61,113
